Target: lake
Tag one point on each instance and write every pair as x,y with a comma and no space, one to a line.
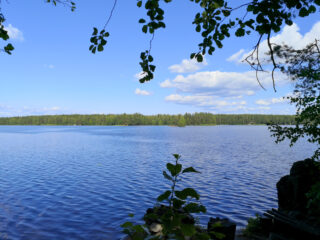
81,182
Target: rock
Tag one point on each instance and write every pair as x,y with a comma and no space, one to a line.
275,236
155,228
292,188
224,226
266,224
285,188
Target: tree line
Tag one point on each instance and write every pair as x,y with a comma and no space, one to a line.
159,119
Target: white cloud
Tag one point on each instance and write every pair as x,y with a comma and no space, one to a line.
209,102
138,91
52,109
226,84
14,33
223,91
235,57
187,66
267,102
140,75
263,102
10,111
290,35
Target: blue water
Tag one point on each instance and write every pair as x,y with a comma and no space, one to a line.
82,182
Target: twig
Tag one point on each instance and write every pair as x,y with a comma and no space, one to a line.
111,13
258,68
150,43
273,62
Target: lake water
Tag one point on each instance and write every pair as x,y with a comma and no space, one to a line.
82,182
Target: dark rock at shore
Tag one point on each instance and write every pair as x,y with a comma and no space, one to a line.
292,188
224,226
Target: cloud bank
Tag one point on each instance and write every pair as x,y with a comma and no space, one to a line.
290,35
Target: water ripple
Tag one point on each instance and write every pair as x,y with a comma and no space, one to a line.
82,182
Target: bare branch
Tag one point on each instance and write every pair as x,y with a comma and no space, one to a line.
111,13
257,67
273,61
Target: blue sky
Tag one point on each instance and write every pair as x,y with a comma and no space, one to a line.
52,71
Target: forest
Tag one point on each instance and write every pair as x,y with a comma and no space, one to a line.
159,119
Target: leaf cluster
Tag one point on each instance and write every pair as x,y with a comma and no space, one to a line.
303,66
175,212
146,66
66,3
216,22
5,36
156,16
98,40
314,200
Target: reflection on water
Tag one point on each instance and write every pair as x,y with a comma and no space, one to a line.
82,182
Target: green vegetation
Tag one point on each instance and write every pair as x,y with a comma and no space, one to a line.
160,119
302,66
314,200
172,219
182,122
253,227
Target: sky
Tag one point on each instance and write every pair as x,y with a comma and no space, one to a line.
51,70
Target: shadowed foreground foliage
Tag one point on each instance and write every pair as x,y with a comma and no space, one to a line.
160,119
173,212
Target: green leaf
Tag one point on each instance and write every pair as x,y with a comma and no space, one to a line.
187,192
250,8
188,229
127,225
218,235
177,203
139,3
195,208
141,20
100,47
95,31
303,12
152,67
166,175
92,39
312,9
202,236
176,156
240,32
174,169
145,29
9,47
190,169
138,228
164,196
199,58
